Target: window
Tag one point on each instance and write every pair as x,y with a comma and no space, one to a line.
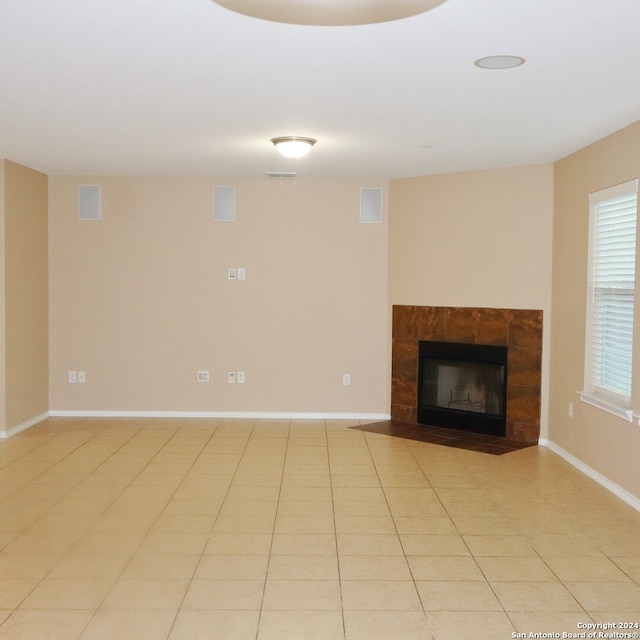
610,302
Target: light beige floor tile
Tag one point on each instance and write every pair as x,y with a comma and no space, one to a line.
52,625
374,568
67,594
224,594
161,567
434,545
431,526
236,523
375,544
239,544
159,542
285,595
184,523
305,508
479,625
141,625
14,591
446,568
299,544
535,596
304,524
496,545
293,625
215,625
365,524
550,621
305,567
89,567
106,543
26,566
230,567
592,569
146,594
382,625
457,596
380,595
516,569
631,567
606,596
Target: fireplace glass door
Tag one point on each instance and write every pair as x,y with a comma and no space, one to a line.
463,386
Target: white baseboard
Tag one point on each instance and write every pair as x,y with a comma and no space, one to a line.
623,494
266,415
23,425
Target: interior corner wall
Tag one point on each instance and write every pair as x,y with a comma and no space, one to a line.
141,300
25,295
3,352
606,444
475,239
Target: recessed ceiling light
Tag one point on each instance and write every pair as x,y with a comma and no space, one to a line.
329,12
499,62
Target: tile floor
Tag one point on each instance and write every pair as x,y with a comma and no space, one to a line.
290,530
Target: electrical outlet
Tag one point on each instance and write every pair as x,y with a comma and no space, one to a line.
346,379
202,376
240,377
242,273
231,377
82,377
72,377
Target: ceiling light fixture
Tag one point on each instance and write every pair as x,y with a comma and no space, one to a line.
293,146
499,62
329,12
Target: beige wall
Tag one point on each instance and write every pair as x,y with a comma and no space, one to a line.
25,295
607,444
478,239
141,301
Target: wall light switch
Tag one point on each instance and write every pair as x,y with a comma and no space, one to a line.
231,377
346,379
72,376
231,273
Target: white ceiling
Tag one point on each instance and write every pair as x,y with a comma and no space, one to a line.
186,87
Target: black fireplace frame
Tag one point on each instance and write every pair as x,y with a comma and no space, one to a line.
469,421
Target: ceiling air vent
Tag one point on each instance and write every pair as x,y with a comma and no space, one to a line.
281,174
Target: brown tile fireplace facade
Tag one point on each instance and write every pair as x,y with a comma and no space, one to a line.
520,330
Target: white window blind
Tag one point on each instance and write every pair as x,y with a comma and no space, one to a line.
612,260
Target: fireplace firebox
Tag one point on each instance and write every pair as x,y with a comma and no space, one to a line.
463,386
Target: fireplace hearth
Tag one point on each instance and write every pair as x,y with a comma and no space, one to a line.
463,386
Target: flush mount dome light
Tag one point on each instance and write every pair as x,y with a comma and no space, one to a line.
330,12
293,146
499,62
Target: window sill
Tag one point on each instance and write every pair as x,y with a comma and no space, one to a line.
607,405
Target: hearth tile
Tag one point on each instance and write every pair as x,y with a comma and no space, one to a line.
404,322
493,326
525,329
403,413
523,404
461,324
403,390
525,366
431,323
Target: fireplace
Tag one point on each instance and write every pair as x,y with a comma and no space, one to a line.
517,330
463,386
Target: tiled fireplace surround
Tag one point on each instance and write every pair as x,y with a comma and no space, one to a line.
518,329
